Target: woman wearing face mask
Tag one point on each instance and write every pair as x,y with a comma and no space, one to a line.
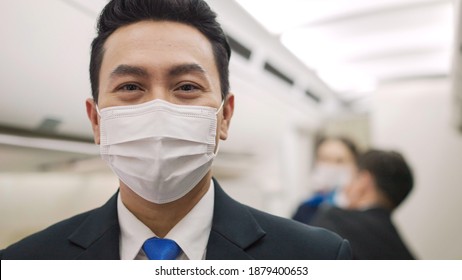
334,166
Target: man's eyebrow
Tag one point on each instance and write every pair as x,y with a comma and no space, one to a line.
189,68
124,70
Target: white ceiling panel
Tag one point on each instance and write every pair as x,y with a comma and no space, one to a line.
278,16
356,45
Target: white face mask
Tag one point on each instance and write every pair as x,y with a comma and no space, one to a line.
330,177
158,149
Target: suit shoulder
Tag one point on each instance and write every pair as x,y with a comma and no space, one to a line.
291,227
294,240
44,244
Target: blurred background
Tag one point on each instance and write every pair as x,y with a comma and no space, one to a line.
385,73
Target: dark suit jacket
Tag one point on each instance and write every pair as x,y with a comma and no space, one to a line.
238,232
371,232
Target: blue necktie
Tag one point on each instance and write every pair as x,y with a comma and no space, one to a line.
161,249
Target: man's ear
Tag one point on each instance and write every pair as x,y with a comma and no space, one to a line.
94,118
228,110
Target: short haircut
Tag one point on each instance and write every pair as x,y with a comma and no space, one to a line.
391,173
195,13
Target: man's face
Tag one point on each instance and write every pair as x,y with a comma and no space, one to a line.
334,152
164,60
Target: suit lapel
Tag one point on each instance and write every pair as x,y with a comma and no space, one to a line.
234,229
99,234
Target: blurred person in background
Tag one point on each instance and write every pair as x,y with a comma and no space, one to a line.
382,182
160,106
334,166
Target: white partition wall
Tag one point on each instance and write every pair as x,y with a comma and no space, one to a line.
414,118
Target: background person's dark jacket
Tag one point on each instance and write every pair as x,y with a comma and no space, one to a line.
371,233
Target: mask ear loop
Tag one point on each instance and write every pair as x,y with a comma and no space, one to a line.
217,149
218,144
97,109
219,108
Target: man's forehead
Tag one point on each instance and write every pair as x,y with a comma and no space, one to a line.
159,31
149,38
158,49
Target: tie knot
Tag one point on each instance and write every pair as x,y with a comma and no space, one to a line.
161,249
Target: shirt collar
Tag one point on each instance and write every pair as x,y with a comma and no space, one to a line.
191,233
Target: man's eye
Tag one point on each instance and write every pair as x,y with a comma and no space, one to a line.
187,87
130,87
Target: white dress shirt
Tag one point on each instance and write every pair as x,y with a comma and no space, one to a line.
191,233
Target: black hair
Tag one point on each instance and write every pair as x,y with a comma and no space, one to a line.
196,13
391,173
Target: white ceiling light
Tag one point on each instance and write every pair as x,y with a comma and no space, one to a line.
355,45
278,16
351,83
